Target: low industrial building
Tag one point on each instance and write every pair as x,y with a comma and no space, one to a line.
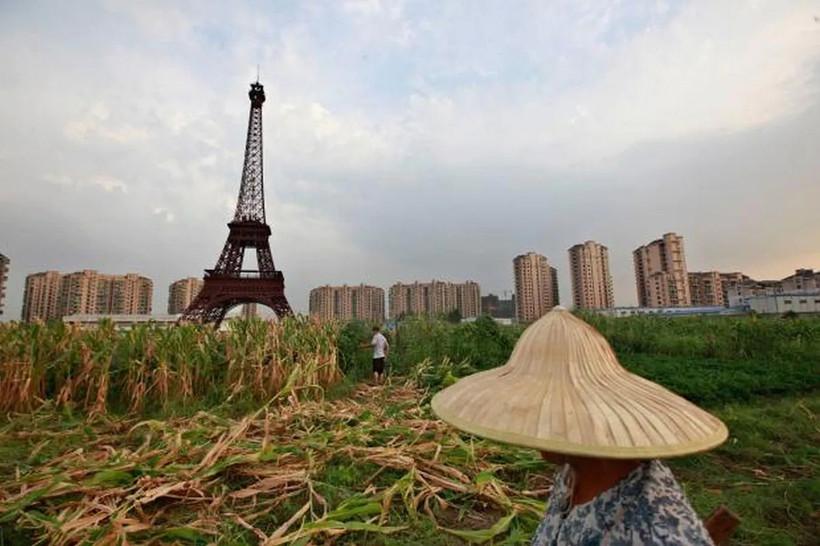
619,312
802,302
121,322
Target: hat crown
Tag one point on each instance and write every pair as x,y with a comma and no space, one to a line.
561,340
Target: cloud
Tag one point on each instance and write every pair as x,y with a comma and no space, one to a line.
712,68
165,214
96,124
106,183
110,184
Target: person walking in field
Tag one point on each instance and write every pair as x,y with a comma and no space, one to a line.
380,350
564,393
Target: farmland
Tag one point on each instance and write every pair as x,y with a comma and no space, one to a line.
269,435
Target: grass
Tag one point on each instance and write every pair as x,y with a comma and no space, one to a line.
712,381
768,472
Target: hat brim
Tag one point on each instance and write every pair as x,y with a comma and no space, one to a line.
628,417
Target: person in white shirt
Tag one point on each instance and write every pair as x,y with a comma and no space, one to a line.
380,349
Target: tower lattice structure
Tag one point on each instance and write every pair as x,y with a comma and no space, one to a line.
227,284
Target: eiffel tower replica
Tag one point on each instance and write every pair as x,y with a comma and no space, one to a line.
227,284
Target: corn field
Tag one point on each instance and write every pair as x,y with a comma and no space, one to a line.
150,368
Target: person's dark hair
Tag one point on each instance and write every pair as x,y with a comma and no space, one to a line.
376,328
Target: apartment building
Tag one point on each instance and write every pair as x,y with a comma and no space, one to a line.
660,273
536,286
591,279
435,298
706,288
362,302
182,292
41,296
52,295
4,277
711,288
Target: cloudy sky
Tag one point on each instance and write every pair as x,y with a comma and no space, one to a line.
409,140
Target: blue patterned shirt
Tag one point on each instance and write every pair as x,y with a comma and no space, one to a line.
647,507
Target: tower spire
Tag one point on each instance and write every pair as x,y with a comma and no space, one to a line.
251,203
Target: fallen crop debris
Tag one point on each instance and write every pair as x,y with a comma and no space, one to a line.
303,472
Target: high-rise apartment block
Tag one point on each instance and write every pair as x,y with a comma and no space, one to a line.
660,273
345,302
435,298
536,286
52,295
4,277
591,279
41,296
181,293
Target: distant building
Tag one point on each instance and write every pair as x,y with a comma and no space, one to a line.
536,286
52,295
4,277
503,321
498,308
121,322
709,288
620,312
362,302
660,273
591,279
741,291
435,298
182,292
706,288
727,281
803,301
249,310
803,279
41,296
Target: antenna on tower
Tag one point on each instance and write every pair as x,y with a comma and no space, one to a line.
257,72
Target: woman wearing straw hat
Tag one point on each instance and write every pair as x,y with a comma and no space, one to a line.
564,393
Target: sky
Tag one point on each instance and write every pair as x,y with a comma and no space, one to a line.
409,140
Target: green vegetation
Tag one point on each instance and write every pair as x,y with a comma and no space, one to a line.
205,458
768,472
481,344
724,338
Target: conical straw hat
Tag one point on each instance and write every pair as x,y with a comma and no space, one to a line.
564,391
